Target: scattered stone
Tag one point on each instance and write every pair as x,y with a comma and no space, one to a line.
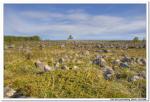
39,64
116,62
47,68
142,74
62,46
106,51
143,61
75,67
135,78
61,60
64,67
8,92
87,53
100,61
56,65
43,67
124,65
11,46
126,59
108,73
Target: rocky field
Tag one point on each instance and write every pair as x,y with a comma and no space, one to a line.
75,69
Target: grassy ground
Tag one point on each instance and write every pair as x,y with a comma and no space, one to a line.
87,81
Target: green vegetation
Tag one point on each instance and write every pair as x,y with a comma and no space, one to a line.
87,81
20,38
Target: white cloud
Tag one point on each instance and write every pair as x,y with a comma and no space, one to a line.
74,22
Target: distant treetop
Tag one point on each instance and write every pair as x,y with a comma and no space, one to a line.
70,37
136,39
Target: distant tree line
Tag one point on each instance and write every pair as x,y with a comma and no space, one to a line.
20,38
136,39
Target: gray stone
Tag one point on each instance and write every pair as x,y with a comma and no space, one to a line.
124,65
108,73
126,59
100,61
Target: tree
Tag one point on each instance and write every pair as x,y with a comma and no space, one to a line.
135,39
70,37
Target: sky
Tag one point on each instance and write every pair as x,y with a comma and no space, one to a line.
82,21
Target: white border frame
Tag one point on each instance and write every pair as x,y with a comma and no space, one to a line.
70,2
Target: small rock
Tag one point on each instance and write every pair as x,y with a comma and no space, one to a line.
11,46
87,53
39,64
100,61
75,67
142,74
65,67
47,68
9,92
143,61
106,51
62,46
126,59
124,65
56,65
135,78
108,73
61,60
116,62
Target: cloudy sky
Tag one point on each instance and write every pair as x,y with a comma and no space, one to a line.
83,22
